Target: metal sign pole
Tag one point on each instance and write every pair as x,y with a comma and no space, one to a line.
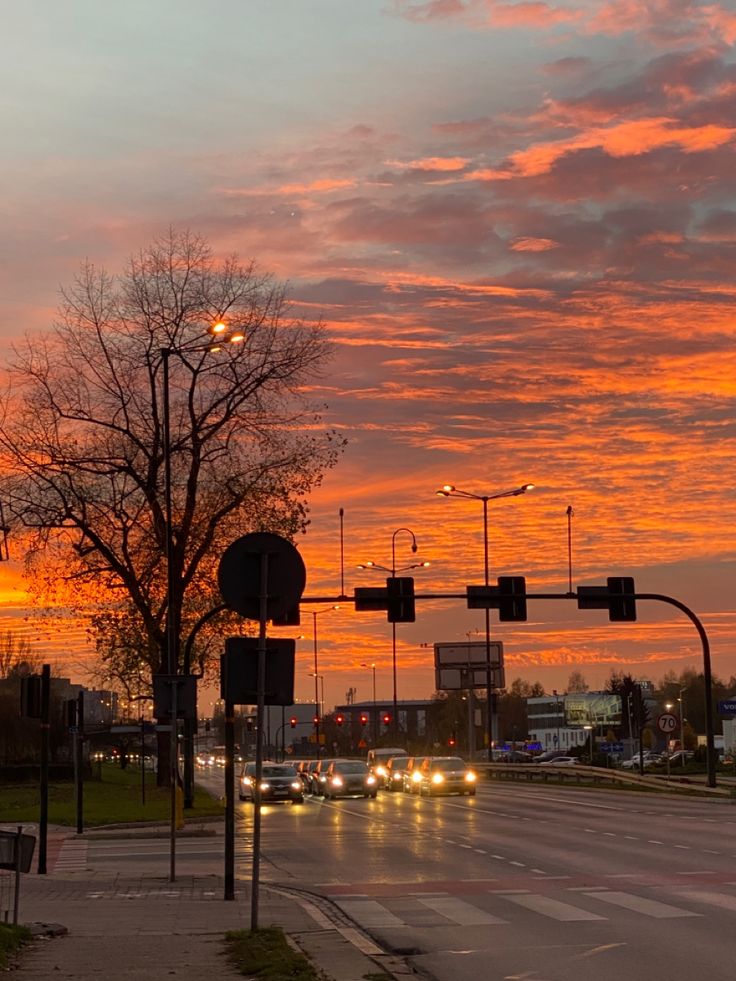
263,597
174,772
78,747
43,821
229,801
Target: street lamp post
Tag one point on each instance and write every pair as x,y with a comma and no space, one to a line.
449,490
392,572
220,334
317,676
374,711
681,700
589,739
557,715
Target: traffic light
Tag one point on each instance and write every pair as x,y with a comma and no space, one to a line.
30,696
364,720
400,594
249,723
623,606
315,720
386,718
618,597
512,598
292,722
339,719
453,739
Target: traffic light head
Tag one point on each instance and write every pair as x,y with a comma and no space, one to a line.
623,602
292,722
512,598
386,718
249,724
364,720
400,593
339,719
315,720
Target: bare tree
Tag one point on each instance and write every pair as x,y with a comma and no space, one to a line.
16,656
82,435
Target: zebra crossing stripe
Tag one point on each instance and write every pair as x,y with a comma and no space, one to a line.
639,904
464,914
724,901
369,913
72,855
563,912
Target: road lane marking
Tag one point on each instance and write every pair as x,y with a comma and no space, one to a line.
598,950
639,904
554,909
722,900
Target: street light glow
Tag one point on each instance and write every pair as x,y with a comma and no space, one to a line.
218,328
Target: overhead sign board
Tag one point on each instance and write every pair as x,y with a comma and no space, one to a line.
728,707
461,666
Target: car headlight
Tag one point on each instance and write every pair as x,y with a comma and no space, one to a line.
437,778
470,776
337,781
416,777
265,786
381,771
396,776
371,780
296,785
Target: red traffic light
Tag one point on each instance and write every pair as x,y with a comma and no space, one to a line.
292,722
364,720
339,719
316,720
386,718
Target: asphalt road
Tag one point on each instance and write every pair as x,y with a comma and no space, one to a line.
538,883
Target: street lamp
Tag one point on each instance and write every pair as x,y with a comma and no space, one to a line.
589,730
375,709
392,572
449,490
220,335
557,716
316,675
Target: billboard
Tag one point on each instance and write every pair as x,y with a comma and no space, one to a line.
460,666
592,708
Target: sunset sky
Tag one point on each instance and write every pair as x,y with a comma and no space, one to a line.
518,222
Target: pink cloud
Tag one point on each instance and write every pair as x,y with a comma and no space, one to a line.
534,245
430,163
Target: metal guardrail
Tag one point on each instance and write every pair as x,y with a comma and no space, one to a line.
586,774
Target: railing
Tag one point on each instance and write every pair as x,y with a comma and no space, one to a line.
580,774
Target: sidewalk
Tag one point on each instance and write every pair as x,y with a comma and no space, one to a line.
91,926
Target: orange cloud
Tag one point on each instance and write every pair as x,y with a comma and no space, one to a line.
534,244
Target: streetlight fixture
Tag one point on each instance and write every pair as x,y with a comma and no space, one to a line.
589,739
375,708
449,490
392,572
317,676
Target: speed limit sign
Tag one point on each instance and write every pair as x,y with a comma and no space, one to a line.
667,722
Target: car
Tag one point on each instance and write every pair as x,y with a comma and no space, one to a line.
345,777
560,761
378,758
319,776
446,775
308,776
395,769
279,782
413,773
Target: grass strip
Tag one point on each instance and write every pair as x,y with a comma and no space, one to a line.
266,954
12,938
114,796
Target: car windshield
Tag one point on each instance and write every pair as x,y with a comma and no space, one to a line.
279,771
357,767
453,764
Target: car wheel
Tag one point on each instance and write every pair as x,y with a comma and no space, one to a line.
298,800
374,795
471,793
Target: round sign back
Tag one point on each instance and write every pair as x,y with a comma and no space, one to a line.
239,575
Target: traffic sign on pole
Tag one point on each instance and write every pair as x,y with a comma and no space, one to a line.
667,722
